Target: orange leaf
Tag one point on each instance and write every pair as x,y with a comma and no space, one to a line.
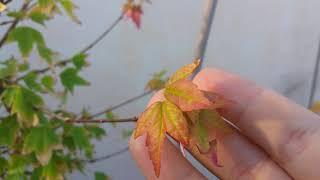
184,72
186,96
159,118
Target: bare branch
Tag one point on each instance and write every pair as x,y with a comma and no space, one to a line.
120,104
134,119
207,19
314,79
14,23
107,156
84,50
6,22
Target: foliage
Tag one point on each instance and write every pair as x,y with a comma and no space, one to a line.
37,142
187,114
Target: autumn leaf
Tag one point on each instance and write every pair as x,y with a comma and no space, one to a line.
159,118
315,107
2,7
186,96
133,11
184,72
151,122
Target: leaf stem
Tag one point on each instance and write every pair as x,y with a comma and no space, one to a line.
121,104
106,156
133,119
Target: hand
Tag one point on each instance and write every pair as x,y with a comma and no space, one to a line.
276,138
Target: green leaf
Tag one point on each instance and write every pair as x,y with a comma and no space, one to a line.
70,78
157,82
79,61
69,7
15,14
22,102
3,165
100,176
45,3
10,69
126,133
95,131
42,141
8,131
31,81
17,166
81,139
111,116
45,53
26,37
38,17
48,82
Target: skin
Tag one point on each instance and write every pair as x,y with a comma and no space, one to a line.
273,137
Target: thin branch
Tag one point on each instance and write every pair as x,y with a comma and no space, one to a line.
314,78
120,104
134,119
207,19
84,50
107,156
7,2
6,22
14,23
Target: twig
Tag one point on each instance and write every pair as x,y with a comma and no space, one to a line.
208,15
14,23
120,104
134,119
84,50
6,22
314,78
107,156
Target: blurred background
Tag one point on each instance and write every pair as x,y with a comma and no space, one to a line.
271,42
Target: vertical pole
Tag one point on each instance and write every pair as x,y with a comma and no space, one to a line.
314,79
208,15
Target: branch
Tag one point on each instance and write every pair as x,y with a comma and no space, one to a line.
14,23
106,156
134,119
84,50
207,19
120,104
314,78
6,22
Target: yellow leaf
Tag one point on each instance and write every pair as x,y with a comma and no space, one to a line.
184,72
2,7
315,107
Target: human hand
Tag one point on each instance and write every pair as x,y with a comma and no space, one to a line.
275,139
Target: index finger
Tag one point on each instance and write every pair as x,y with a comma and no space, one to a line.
286,131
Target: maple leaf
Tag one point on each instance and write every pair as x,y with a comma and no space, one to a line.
184,72
186,96
202,135
133,11
159,118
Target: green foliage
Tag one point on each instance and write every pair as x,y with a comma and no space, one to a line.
27,37
100,176
70,78
37,142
